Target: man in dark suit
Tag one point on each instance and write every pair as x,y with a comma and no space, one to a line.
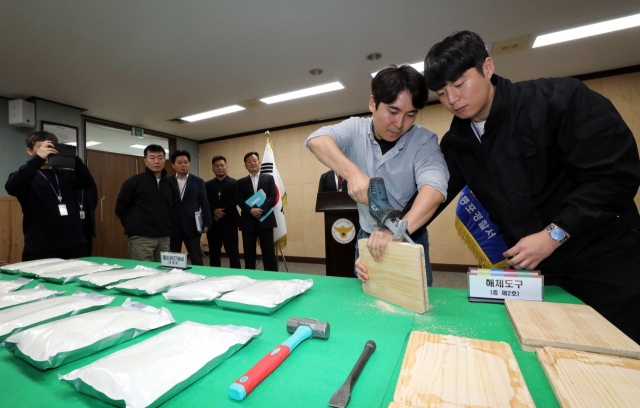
221,192
330,181
250,225
193,198
88,202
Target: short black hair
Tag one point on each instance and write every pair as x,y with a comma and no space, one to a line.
449,59
179,153
40,136
216,158
251,154
154,148
392,81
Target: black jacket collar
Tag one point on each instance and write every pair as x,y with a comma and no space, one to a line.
152,174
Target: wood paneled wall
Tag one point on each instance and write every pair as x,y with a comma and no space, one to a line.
300,172
11,237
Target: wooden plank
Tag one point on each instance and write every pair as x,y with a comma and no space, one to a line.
576,327
450,371
581,379
399,278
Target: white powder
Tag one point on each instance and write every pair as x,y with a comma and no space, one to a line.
26,295
23,316
208,289
160,282
142,373
268,293
69,275
15,267
55,266
103,279
43,342
11,285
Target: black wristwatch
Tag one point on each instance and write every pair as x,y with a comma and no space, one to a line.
557,233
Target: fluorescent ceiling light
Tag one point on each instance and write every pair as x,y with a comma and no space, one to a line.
587,31
419,66
334,86
211,114
89,144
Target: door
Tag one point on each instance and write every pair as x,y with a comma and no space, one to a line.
110,170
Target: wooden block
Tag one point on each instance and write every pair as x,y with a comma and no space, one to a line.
581,379
576,327
399,278
394,404
450,371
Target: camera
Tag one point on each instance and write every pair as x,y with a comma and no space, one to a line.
66,157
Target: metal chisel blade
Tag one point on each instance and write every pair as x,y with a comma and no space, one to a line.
341,398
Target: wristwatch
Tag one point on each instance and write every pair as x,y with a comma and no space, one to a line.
557,233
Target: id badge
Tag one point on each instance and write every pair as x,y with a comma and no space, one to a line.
63,209
82,215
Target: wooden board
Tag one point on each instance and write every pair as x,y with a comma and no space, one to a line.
449,371
576,327
399,278
581,379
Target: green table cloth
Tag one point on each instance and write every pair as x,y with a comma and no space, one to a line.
316,368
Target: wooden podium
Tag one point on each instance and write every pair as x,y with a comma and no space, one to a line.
340,232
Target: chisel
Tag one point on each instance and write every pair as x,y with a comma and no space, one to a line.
341,398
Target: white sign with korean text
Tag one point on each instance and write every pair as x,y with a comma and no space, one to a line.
173,260
485,286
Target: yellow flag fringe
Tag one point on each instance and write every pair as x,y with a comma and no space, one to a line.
475,248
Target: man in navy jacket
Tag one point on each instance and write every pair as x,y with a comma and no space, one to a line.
193,198
52,226
250,225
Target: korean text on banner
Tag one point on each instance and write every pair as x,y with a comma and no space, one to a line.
478,231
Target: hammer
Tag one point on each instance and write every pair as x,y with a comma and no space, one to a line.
302,329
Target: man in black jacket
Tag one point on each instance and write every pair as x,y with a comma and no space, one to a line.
330,181
146,207
221,192
51,224
250,225
556,167
88,202
193,198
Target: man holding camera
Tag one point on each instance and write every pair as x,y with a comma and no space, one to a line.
52,223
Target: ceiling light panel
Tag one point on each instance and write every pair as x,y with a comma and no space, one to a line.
334,86
213,113
587,31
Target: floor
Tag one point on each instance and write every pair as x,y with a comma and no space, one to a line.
440,279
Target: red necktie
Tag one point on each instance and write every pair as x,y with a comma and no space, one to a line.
340,183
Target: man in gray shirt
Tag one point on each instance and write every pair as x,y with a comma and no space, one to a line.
391,146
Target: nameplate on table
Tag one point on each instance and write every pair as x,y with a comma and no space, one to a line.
496,285
173,260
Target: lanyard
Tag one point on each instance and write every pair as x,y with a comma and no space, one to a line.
57,193
183,188
80,203
219,189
